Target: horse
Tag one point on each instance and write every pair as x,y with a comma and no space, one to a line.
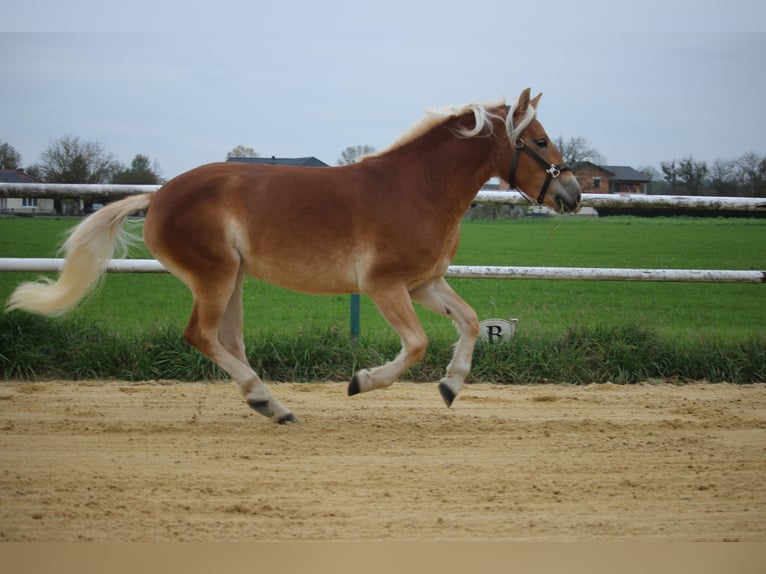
386,226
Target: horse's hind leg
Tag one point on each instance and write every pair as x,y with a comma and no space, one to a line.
439,297
230,334
396,307
215,328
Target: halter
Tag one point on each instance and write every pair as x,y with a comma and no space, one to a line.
552,170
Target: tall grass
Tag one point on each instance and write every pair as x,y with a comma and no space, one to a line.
574,331
39,348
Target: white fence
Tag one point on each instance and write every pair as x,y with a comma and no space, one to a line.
110,192
457,271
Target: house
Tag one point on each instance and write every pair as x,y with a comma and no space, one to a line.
23,205
610,179
294,161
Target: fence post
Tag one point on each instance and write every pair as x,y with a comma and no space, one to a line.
354,306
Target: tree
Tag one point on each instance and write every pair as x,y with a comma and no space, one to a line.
722,178
692,174
649,171
140,172
242,151
9,157
70,160
750,174
353,154
670,174
654,186
577,150
686,172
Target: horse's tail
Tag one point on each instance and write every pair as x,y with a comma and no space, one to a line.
87,250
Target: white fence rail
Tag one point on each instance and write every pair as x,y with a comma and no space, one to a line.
607,274
457,271
111,192
103,192
634,200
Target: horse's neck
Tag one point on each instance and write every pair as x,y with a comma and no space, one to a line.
453,168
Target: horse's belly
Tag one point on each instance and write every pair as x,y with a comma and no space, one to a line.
306,277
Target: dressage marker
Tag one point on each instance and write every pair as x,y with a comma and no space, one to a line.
387,226
496,331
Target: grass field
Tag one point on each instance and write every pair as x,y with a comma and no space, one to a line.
137,305
135,302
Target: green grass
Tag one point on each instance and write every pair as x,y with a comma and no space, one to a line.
632,330
675,309
133,303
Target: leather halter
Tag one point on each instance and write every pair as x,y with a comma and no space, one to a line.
552,170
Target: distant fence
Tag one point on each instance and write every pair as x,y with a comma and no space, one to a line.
109,192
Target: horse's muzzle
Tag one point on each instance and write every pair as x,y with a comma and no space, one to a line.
566,195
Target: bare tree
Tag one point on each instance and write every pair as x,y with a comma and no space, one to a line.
353,154
750,174
9,157
654,186
692,173
242,151
670,174
722,176
649,171
70,160
578,150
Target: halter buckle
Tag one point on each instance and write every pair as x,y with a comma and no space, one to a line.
553,171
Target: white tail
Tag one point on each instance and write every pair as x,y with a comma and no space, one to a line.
87,250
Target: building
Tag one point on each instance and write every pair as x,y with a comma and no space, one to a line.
23,205
611,179
294,161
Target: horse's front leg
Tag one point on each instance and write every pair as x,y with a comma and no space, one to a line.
395,305
439,297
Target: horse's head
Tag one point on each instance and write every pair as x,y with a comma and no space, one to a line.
535,166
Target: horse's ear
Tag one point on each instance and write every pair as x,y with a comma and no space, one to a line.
522,105
536,100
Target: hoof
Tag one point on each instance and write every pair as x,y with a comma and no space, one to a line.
447,394
261,407
353,386
288,418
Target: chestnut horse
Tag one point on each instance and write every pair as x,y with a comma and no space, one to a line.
387,226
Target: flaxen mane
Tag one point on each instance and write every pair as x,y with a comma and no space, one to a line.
437,116
483,117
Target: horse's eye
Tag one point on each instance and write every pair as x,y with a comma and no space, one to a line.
542,142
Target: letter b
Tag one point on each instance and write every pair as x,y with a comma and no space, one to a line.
494,334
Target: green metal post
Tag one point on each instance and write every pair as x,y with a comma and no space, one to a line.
354,316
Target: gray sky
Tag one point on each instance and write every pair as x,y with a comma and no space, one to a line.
643,82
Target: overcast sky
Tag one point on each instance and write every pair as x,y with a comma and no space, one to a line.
183,83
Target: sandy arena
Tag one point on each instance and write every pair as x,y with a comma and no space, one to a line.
160,461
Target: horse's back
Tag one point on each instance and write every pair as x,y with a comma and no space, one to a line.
288,225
